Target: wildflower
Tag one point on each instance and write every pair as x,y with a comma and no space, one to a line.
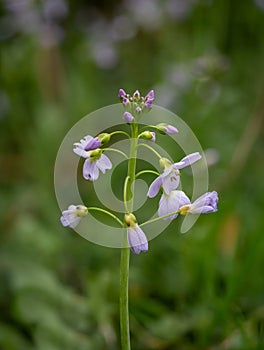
170,178
72,216
207,203
166,129
88,143
171,203
94,162
135,236
128,117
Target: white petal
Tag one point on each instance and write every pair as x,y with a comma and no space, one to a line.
170,182
90,170
80,152
188,160
104,163
167,205
154,187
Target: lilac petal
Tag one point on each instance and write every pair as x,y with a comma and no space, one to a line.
166,206
148,104
103,163
207,203
170,130
80,152
121,93
90,170
202,210
155,187
64,221
188,160
83,142
69,218
171,203
170,182
72,207
137,240
93,143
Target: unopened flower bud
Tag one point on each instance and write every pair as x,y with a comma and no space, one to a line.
148,135
95,154
150,95
122,93
166,129
126,101
136,95
128,117
104,138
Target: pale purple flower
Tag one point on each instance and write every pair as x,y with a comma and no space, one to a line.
86,144
171,203
72,216
95,160
92,166
207,203
170,178
136,239
128,117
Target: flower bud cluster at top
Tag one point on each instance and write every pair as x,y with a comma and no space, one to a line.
136,104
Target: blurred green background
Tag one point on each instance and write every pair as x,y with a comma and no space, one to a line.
60,60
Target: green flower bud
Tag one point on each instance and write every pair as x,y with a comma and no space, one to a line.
130,220
104,138
94,154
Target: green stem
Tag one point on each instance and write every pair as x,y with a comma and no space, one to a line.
125,252
115,150
120,132
108,213
159,218
125,193
150,148
147,172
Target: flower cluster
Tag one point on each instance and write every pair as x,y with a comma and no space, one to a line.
95,160
136,103
172,202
